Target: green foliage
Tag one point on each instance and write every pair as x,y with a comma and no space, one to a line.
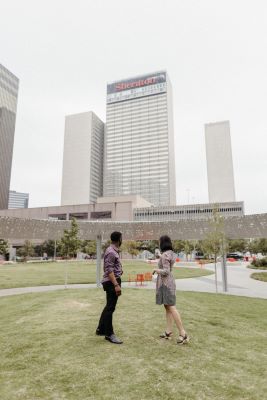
89,247
27,250
215,241
237,245
49,248
131,247
70,243
178,246
3,246
149,245
260,264
258,246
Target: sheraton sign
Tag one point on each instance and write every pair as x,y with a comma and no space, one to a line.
137,82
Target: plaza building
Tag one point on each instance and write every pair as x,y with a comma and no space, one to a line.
9,86
127,208
82,176
139,139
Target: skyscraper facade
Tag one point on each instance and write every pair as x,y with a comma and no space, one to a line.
82,176
9,85
18,199
219,162
139,139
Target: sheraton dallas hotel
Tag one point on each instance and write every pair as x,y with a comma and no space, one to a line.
139,139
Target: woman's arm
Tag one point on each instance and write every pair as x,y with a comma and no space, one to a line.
166,264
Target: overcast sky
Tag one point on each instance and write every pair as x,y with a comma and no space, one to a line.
64,52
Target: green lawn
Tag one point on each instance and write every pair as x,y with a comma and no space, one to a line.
48,349
41,274
259,276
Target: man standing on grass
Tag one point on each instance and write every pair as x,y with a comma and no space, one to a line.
112,286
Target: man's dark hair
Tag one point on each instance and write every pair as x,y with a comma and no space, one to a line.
115,236
165,243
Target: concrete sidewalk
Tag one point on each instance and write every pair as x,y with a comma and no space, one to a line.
239,283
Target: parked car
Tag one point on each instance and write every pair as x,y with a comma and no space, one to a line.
199,255
236,256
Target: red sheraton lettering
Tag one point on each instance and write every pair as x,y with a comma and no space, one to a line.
136,84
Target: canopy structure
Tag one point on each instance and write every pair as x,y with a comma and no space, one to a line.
249,226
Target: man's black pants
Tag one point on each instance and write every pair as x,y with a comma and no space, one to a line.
105,326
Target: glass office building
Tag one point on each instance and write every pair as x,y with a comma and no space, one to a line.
139,140
18,199
9,85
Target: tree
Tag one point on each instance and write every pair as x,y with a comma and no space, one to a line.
3,247
70,243
257,246
185,246
215,241
178,246
237,245
27,250
150,245
262,246
188,248
131,247
89,247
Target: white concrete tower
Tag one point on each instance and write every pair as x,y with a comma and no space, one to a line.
82,176
219,162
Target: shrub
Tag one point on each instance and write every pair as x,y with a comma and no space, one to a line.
262,263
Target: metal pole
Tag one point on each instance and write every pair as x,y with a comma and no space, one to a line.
98,259
216,283
224,273
66,275
55,251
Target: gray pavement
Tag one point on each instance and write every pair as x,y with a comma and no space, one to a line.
239,283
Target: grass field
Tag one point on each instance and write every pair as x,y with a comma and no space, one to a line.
259,276
48,349
41,274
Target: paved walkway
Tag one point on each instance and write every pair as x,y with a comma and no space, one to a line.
239,283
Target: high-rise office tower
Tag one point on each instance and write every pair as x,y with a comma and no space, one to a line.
139,140
82,177
219,162
9,85
18,199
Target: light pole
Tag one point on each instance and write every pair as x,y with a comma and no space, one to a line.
98,259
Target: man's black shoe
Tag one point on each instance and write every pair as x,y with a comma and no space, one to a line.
99,333
113,339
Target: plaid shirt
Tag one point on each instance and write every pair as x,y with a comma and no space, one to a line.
112,263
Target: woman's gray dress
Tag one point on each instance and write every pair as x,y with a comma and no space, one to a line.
165,286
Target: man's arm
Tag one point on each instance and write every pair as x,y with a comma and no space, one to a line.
115,283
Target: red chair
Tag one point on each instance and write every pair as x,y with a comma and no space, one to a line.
148,276
131,278
140,279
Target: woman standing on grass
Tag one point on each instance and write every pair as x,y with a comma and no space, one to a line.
166,290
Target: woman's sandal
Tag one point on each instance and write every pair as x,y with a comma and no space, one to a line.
166,335
183,339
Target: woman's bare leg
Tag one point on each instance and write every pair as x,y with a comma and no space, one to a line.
177,319
169,320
